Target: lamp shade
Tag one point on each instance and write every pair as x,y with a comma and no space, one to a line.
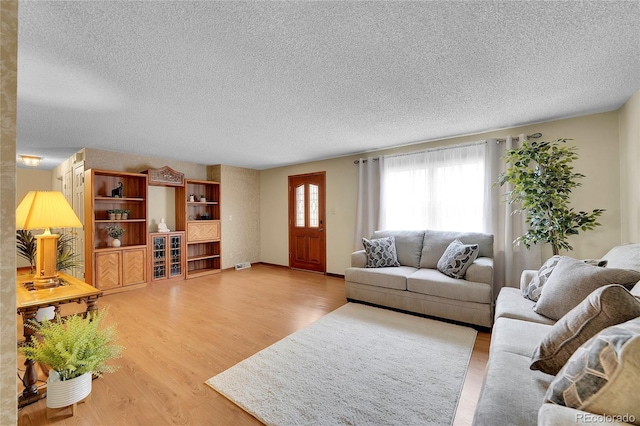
45,209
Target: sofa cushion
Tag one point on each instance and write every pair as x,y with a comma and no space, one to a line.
511,304
457,258
436,242
434,283
408,245
573,280
395,278
602,375
381,252
534,288
626,256
511,393
604,307
481,271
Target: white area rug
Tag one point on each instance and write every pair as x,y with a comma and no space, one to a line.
358,365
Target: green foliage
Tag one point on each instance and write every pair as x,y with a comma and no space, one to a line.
26,247
542,179
74,345
114,231
67,258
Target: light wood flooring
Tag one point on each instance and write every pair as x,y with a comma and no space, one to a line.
177,335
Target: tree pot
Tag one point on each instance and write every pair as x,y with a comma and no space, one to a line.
68,392
115,243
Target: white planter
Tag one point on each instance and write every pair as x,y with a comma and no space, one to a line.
115,243
47,313
64,393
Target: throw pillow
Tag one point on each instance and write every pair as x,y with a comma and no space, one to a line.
381,252
457,258
602,376
604,307
572,281
533,290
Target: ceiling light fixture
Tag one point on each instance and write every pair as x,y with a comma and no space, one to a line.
30,160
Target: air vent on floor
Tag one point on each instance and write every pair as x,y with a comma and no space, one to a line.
243,265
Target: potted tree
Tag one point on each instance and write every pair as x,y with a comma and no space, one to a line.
115,232
74,348
542,179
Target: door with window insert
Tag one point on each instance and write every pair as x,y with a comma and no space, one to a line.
307,242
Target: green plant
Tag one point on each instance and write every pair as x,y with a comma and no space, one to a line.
67,258
27,249
114,231
542,179
74,345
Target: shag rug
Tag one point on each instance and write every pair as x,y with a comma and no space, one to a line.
358,365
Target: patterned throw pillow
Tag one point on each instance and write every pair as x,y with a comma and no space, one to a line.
534,289
602,376
381,252
605,306
457,258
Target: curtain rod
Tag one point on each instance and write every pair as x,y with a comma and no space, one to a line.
440,148
532,136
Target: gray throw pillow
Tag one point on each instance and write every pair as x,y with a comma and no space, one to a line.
534,288
457,258
604,307
602,376
572,281
381,252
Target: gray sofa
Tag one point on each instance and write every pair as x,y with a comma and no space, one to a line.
512,393
417,286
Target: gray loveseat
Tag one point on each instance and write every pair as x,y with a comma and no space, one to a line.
512,393
417,285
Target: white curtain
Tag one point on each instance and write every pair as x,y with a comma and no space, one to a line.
368,212
500,220
441,189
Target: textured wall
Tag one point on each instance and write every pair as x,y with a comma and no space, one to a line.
598,147
8,87
240,213
629,172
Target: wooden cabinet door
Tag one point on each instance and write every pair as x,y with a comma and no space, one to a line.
108,273
134,266
205,230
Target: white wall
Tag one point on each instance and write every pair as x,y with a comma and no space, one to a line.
629,116
596,137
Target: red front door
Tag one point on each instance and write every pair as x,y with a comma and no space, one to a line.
307,222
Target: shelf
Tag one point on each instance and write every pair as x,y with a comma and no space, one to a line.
118,200
202,257
200,272
119,220
109,248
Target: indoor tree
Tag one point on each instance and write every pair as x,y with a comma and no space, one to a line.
542,179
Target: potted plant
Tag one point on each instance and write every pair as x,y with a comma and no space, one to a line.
118,214
26,247
115,232
192,197
111,214
74,348
125,213
203,198
542,179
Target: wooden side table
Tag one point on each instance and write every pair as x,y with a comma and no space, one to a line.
30,299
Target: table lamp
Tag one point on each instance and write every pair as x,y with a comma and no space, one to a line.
46,210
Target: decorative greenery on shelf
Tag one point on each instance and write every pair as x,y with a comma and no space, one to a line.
114,231
74,345
542,179
27,249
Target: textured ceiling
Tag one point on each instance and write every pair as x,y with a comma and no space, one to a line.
265,84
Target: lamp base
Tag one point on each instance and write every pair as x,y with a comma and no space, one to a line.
49,282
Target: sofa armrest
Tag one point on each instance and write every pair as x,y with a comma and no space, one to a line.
558,415
480,271
526,277
359,259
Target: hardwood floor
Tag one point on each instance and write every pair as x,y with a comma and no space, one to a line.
177,335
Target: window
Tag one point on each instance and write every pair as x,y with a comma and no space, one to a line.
441,189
